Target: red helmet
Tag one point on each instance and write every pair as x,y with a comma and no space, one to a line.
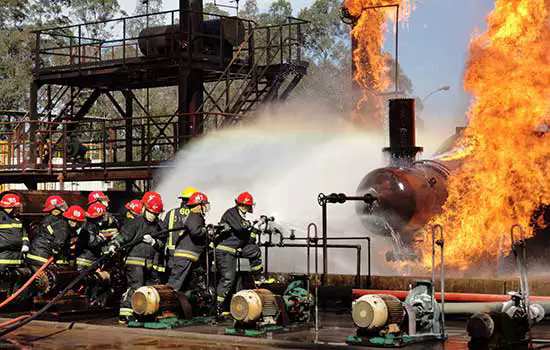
135,206
153,202
197,198
245,198
10,200
96,196
54,202
96,210
75,213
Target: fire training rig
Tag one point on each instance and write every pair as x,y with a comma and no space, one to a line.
222,67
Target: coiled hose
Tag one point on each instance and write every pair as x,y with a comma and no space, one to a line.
84,273
27,284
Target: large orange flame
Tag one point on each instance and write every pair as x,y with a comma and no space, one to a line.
371,64
506,177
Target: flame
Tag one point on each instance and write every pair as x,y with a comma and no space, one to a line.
504,179
371,64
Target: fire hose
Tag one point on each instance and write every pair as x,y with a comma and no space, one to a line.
452,297
27,284
84,273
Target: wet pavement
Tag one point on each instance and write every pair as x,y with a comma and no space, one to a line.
106,334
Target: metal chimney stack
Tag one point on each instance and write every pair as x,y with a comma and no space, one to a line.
403,149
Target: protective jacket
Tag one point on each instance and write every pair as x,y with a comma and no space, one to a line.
12,237
175,218
52,239
141,254
89,244
140,257
188,250
238,241
109,226
240,232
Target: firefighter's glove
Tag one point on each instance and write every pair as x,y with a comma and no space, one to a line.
148,239
25,249
112,249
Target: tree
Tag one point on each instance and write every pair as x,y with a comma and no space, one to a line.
82,11
250,10
278,12
144,7
15,68
327,37
212,8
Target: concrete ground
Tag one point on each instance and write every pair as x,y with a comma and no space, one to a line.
105,334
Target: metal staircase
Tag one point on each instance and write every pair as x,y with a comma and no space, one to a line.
273,65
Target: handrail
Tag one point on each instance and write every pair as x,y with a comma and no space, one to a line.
38,31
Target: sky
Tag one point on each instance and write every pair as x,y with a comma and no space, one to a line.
433,46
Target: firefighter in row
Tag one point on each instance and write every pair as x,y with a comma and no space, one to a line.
237,240
139,237
175,218
56,233
107,224
131,209
14,242
90,240
192,243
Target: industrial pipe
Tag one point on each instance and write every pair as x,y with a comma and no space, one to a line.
335,198
449,297
341,246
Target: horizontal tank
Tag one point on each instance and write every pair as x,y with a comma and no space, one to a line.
164,40
407,197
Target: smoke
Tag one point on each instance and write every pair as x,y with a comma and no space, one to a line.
285,159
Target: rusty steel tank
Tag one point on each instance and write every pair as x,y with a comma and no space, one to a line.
224,33
408,192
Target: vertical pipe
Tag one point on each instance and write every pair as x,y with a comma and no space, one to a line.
124,41
316,282
442,289
128,125
358,276
325,249
33,109
433,268
104,137
308,270
368,261
266,260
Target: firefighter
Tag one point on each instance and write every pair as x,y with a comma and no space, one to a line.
89,248
192,243
131,209
14,242
139,238
55,236
175,218
108,225
98,196
90,239
238,240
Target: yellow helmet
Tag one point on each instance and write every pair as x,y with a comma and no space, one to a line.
188,192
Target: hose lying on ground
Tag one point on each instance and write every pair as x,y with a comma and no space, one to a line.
27,284
13,320
71,285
